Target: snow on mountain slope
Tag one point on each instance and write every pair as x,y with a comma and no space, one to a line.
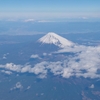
53,38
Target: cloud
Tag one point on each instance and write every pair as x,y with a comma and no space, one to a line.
29,20
44,54
5,56
44,21
25,69
55,67
28,87
13,67
40,69
92,86
85,18
84,63
35,56
6,72
18,85
75,49
42,93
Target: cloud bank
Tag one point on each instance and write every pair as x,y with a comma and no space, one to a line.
85,63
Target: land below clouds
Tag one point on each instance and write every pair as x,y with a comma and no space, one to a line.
34,73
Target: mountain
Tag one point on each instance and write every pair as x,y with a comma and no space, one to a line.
55,39
49,43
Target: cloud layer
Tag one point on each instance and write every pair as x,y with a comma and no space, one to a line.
84,63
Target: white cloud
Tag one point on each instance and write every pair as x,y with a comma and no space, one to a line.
55,67
18,85
75,49
6,72
13,67
92,86
29,20
84,18
42,93
40,69
44,54
35,56
85,63
26,69
28,87
44,21
67,72
4,57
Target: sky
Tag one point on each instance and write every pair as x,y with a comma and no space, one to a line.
50,9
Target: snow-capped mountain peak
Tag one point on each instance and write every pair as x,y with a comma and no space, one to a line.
53,38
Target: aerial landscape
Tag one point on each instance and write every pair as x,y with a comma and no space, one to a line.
49,50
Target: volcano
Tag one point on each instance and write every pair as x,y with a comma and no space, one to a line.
55,39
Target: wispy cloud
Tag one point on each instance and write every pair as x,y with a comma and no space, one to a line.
18,85
6,72
49,15
92,86
45,21
29,20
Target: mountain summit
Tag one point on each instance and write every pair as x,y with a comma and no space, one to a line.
53,38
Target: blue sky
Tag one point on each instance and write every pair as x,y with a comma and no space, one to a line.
50,9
